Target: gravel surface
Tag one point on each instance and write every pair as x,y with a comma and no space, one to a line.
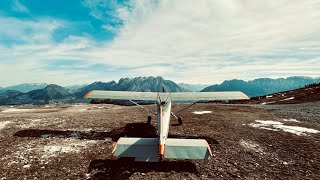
75,142
309,112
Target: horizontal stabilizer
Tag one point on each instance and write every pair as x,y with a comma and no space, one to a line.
146,149
142,149
187,149
176,96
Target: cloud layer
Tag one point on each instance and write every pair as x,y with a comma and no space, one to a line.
189,41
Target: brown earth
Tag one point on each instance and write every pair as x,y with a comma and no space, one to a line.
75,142
309,93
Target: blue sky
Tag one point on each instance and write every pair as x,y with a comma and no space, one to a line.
208,41
83,18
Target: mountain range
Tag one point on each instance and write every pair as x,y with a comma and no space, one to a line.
41,93
24,88
142,84
49,94
55,93
262,86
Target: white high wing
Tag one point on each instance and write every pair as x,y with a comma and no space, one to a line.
155,149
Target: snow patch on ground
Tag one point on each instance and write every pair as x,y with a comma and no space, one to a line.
51,150
40,153
73,135
268,122
271,102
290,98
29,123
13,110
251,145
3,124
66,146
270,96
276,126
26,166
202,112
270,129
290,120
40,122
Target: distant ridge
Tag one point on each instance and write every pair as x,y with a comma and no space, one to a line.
26,87
193,87
262,86
9,93
51,93
308,93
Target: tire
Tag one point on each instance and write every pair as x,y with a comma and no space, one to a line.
149,120
180,120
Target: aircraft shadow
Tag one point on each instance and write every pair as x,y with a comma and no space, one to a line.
121,168
124,168
143,130
130,130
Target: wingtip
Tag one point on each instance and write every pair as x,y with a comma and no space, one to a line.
244,95
115,146
88,94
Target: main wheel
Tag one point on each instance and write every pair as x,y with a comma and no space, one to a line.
180,120
149,120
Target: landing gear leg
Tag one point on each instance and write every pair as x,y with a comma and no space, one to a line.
149,120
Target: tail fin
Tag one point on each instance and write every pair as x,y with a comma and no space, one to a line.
146,149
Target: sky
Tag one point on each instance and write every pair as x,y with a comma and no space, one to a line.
199,42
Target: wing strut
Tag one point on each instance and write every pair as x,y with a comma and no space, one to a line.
186,107
143,107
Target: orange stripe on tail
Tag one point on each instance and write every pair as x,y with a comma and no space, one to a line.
161,149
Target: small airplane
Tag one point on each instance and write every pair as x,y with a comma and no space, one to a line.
157,149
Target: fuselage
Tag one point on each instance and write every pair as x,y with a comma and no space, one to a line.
163,112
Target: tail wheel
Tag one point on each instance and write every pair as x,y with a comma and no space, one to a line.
160,158
149,120
180,120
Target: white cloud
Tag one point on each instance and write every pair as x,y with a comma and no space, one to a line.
31,32
204,41
19,7
104,10
27,46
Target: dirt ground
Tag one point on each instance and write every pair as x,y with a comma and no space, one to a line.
75,142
